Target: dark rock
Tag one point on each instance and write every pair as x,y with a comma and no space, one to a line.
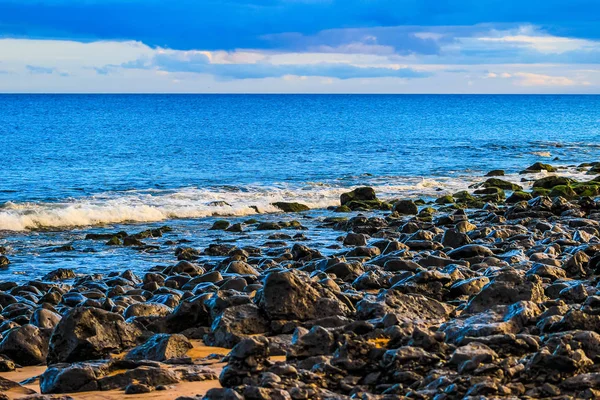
405,207
289,295
86,333
25,345
161,347
220,225
60,274
235,324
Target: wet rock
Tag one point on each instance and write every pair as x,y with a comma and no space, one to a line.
220,225
355,239
60,274
538,167
291,207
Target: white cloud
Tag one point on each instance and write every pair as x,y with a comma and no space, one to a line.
533,79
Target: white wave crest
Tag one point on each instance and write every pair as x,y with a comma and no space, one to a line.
153,205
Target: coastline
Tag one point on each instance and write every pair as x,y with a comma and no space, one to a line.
488,291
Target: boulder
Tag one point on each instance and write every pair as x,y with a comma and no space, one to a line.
161,347
25,345
87,333
290,295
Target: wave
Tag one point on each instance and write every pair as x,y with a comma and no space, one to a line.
154,205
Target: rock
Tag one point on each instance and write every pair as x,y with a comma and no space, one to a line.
65,378
538,167
221,394
13,388
60,274
45,319
289,295
358,194
355,239
138,388
318,341
147,310
405,207
187,254
220,225
87,333
469,251
268,226
235,324
495,172
551,181
475,352
6,365
161,347
501,184
518,196
407,307
4,262
241,268
507,288
247,357
291,207
26,345
455,239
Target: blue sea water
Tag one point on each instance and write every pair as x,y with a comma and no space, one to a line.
75,163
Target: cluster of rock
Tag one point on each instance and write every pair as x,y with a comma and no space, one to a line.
478,296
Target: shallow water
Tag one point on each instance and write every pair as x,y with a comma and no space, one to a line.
72,164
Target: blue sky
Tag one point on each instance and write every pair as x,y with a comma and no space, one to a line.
329,46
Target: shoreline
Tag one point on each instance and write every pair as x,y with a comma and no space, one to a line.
488,291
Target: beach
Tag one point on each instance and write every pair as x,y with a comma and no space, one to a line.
488,291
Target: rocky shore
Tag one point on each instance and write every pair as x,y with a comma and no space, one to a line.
486,293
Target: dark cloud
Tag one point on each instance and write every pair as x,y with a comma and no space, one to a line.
199,63
232,24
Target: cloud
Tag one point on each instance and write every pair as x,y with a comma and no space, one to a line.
253,24
37,70
196,62
533,79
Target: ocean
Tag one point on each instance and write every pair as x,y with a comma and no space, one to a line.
75,164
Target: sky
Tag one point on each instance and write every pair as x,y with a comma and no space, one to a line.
300,46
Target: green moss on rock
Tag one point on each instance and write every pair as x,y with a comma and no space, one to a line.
291,206
518,196
563,191
502,184
551,181
538,167
447,199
